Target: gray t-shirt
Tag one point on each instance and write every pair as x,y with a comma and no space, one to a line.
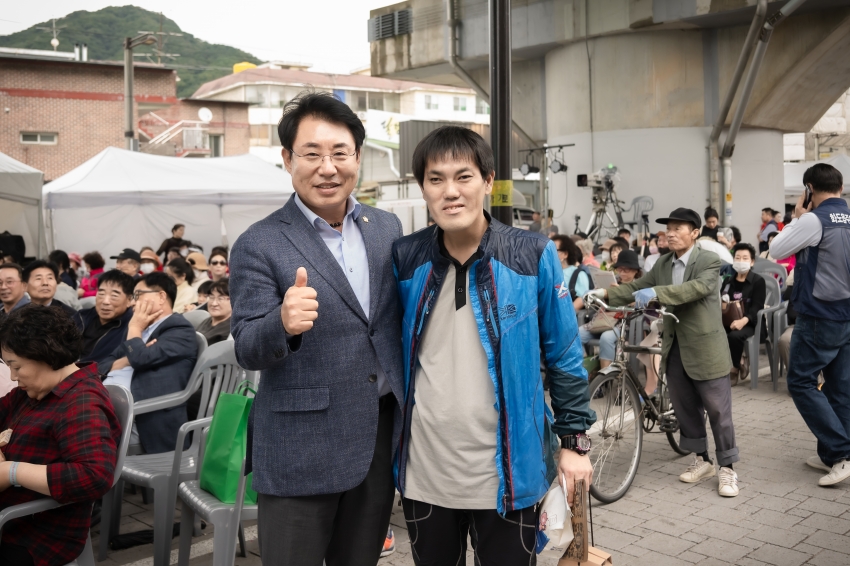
452,459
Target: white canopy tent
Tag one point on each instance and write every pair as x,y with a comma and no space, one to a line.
794,172
20,193
123,199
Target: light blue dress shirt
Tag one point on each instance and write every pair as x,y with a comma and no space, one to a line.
349,250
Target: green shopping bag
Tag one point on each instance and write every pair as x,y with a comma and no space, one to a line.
226,444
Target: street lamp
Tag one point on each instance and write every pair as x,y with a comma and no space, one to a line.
129,44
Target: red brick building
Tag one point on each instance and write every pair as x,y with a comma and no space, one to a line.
56,114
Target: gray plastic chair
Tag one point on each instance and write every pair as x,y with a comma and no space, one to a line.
639,207
196,317
766,316
226,518
169,400
767,267
122,402
218,372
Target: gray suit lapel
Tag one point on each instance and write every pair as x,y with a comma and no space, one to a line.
371,238
307,241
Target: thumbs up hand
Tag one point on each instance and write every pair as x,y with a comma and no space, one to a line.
300,307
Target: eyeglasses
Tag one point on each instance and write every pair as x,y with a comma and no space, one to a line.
338,157
218,263
138,294
9,282
218,299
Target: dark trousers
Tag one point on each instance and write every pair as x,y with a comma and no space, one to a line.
691,399
737,343
819,345
438,535
15,555
343,529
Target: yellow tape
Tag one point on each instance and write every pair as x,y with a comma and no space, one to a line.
503,193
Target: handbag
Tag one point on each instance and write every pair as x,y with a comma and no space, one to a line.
601,322
732,311
226,444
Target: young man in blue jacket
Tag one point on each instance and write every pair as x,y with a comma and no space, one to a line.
479,300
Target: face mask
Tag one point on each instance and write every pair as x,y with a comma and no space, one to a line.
184,253
741,266
653,249
82,271
198,274
147,268
606,256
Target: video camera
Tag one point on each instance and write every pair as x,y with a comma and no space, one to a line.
602,179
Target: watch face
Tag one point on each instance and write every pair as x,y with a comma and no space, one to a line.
583,442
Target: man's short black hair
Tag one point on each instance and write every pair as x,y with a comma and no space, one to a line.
710,213
118,278
823,178
745,246
768,210
622,231
321,105
177,227
14,266
159,281
623,242
452,142
42,334
38,264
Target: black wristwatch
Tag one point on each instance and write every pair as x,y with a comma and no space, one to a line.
579,443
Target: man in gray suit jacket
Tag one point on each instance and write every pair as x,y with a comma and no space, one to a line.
316,310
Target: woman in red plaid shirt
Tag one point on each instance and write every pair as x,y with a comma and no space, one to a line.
64,437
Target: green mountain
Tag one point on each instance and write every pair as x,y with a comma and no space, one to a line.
104,32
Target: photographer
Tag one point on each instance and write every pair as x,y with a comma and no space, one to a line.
820,236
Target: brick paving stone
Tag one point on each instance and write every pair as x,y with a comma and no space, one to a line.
665,544
722,531
781,504
824,507
779,556
778,537
775,519
721,549
830,541
830,558
691,557
827,523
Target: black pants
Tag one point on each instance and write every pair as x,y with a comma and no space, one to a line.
438,535
692,399
343,529
737,343
14,555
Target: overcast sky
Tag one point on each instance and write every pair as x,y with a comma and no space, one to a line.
330,34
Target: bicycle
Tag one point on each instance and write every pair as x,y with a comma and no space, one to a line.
617,441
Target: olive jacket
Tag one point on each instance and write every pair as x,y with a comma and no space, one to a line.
696,303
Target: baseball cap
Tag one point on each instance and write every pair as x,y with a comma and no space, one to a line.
608,243
128,253
198,261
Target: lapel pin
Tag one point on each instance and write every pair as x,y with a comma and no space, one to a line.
365,219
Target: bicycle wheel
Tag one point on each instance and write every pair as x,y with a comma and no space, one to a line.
672,436
617,436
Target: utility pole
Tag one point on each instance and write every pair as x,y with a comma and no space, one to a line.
129,121
55,31
159,50
501,201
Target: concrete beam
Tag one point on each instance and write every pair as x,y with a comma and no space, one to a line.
806,90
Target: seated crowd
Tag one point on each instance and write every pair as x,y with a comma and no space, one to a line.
68,327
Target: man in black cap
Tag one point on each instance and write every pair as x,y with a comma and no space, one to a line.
686,282
129,261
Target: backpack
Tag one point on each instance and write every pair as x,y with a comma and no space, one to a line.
574,280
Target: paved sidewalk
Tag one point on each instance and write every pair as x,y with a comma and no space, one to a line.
780,518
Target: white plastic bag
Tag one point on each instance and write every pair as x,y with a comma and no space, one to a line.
555,524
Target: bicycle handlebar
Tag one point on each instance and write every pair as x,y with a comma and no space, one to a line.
600,304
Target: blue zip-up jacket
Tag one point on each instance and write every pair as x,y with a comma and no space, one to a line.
522,304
